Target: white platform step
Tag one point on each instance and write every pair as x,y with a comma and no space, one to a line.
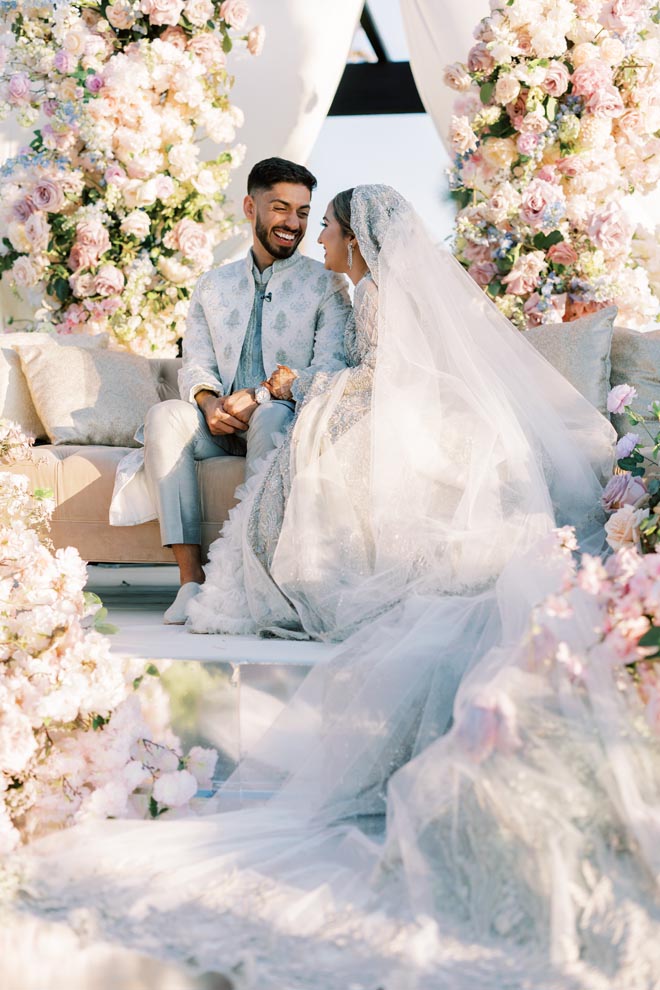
224,691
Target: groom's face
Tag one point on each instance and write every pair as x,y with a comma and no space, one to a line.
279,219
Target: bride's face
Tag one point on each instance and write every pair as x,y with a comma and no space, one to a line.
334,242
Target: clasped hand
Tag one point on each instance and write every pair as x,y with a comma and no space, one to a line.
230,413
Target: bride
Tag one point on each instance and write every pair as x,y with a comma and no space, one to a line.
408,514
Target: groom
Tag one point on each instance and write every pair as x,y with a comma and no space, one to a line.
275,306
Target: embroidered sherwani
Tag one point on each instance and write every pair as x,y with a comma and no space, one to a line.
302,323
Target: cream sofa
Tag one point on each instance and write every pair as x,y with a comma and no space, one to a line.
82,480
82,476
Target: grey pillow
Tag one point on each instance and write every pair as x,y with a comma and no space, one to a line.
89,397
636,361
15,400
580,351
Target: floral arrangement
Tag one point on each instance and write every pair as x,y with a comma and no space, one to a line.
632,496
82,733
110,216
605,616
557,121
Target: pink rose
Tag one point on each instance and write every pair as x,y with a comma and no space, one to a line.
534,123
256,39
606,102
590,77
189,238
75,316
24,272
525,274
162,11
48,196
556,79
622,489
480,59
235,13
463,139
177,36
94,84
540,204
622,528
610,230
198,12
19,88
620,397
622,15
528,143
114,175
81,256
94,235
626,445
562,253
571,166
109,280
631,123
532,311
477,253
576,308
483,272
517,109
64,61
208,50
23,209
164,187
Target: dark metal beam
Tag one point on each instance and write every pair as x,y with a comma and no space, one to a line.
373,34
376,88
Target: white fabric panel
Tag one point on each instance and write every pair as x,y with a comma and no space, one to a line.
438,33
286,92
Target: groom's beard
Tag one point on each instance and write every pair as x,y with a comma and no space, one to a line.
280,251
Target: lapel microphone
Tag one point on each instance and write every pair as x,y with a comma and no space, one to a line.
268,297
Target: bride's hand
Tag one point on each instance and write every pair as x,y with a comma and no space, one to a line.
280,382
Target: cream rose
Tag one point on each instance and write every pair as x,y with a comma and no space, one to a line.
136,224
198,12
235,13
37,231
463,138
525,274
137,193
499,152
208,50
622,528
82,285
24,272
556,79
162,12
18,237
507,89
121,14
611,230
457,77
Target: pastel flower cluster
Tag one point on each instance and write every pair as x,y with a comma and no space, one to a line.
632,497
557,121
82,733
111,215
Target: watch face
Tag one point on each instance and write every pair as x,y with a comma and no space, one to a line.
261,394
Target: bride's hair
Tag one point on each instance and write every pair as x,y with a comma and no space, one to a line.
341,204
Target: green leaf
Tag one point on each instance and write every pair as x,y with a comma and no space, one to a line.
486,92
495,289
543,241
153,670
42,493
651,638
153,808
99,721
638,472
504,265
61,289
91,598
654,486
626,463
226,44
106,628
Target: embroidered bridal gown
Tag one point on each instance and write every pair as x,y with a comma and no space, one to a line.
534,868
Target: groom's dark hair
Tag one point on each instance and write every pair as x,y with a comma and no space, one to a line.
266,174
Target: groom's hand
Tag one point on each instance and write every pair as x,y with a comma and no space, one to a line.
219,421
241,405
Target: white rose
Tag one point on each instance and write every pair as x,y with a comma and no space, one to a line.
138,193
507,89
198,12
175,789
136,224
19,239
24,272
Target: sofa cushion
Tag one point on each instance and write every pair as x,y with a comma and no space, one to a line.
636,361
15,400
86,396
167,377
580,351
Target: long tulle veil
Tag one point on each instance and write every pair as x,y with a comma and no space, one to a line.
476,448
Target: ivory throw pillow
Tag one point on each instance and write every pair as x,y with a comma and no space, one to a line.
580,351
15,400
89,397
636,361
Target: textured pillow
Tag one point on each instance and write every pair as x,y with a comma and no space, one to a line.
636,361
86,396
580,351
15,399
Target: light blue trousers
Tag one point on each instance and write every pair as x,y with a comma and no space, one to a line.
176,437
